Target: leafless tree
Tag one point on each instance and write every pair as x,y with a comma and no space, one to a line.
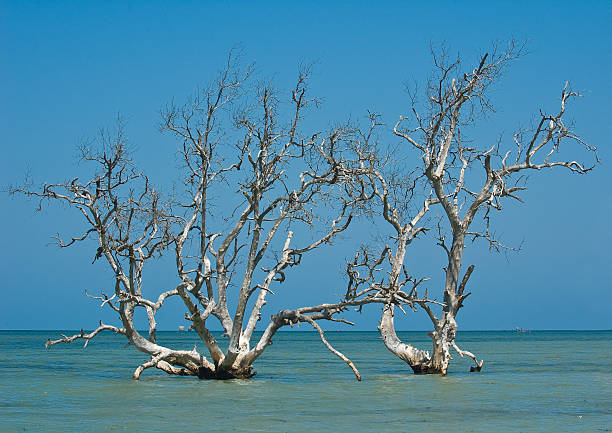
242,147
467,179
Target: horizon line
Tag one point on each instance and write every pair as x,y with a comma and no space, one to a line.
331,330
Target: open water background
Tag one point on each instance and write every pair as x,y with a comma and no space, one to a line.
543,381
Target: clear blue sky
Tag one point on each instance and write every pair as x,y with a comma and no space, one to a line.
68,68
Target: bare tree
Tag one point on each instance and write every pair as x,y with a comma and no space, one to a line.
243,147
467,179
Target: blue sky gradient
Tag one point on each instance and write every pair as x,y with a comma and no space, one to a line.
68,68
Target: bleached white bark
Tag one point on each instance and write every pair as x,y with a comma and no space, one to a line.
453,100
278,172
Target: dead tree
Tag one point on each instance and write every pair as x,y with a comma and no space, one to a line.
466,178
239,147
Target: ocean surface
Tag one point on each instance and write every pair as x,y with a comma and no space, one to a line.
537,382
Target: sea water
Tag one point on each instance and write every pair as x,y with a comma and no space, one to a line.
530,382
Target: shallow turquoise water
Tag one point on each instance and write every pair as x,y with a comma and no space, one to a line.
542,381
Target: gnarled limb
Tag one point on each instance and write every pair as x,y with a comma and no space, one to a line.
331,349
83,336
159,363
417,359
469,354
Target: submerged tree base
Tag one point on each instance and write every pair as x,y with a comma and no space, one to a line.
241,373
426,369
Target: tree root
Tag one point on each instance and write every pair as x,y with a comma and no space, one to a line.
202,372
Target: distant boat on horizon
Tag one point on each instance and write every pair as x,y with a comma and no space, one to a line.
518,329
